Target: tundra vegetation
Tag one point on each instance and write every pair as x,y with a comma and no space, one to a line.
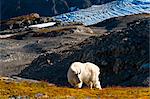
43,90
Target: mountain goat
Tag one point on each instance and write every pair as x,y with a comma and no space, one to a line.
87,73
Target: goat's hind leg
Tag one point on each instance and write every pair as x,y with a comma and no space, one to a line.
91,85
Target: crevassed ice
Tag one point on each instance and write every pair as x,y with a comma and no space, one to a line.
98,13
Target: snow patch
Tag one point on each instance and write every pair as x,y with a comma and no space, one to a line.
43,25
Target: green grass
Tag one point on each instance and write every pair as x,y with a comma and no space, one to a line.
31,90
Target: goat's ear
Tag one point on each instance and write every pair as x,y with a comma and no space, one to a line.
79,72
73,72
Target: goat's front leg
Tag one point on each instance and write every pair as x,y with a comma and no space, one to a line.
91,85
79,85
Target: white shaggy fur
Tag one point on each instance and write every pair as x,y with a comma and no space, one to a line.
87,73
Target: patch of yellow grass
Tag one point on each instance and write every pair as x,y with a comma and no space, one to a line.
32,90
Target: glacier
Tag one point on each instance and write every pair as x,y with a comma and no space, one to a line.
98,13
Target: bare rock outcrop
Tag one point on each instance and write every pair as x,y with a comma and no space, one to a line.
120,56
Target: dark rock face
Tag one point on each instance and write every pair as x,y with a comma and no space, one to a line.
118,23
43,7
120,56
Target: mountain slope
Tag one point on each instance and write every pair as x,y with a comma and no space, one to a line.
46,53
